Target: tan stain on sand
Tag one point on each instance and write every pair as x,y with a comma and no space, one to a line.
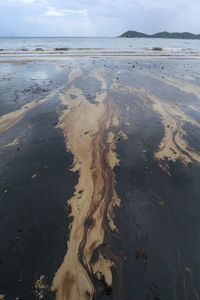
122,135
182,85
173,145
98,269
13,143
34,176
195,108
98,74
189,77
89,131
41,287
9,120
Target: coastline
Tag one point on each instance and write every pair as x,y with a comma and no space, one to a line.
129,54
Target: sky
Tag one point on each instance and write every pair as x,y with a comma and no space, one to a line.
96,17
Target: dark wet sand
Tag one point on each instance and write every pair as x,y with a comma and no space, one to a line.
99,179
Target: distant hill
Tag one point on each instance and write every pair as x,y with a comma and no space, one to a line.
163,35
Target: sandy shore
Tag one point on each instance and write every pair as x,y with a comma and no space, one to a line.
99,175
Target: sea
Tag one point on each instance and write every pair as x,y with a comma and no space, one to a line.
115,46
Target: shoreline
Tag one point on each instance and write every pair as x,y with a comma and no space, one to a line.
66,59
102,54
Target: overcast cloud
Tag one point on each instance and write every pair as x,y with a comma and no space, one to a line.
96,17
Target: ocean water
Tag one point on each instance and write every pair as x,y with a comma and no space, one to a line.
97,46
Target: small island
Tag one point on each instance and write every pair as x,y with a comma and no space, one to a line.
163,35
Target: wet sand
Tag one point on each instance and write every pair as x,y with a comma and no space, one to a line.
99,179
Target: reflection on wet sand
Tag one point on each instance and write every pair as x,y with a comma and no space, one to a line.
91,130
173,145
9,120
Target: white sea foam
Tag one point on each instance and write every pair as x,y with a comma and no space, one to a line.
98,46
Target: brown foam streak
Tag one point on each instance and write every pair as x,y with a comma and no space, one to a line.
105,200
173,145
93,158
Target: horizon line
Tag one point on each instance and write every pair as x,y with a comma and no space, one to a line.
58,36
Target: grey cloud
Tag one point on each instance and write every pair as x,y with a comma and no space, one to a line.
97,17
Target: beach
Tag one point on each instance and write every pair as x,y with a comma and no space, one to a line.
99,176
